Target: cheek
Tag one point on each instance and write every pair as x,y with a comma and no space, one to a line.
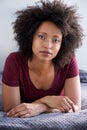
34,45
57,48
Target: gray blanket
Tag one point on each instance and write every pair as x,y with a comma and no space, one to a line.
51,121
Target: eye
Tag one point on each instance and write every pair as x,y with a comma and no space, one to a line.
41,36
56,40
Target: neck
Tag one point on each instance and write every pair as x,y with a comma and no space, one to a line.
40,67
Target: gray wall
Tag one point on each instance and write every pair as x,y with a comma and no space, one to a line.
7,43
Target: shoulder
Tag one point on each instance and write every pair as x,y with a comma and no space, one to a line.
16,57
71,69
73,65
11,69
74,60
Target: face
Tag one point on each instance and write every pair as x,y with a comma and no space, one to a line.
47,41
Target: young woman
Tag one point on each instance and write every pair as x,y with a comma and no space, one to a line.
45,65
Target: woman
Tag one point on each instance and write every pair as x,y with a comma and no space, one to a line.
45,65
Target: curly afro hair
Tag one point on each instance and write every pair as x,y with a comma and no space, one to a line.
29,19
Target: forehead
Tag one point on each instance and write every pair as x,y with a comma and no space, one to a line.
49,28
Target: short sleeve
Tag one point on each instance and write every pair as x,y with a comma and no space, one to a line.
73,69
11,71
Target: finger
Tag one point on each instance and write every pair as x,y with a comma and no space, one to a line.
68,100
61,109
54,110
66,105
16,110
73,108
26,115
13,112
70,103
19,114
29,114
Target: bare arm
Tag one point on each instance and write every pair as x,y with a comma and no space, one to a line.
10,96
70,100
15,108
72,89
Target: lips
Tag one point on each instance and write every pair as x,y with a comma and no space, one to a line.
46,52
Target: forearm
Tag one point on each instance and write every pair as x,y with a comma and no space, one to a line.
61,103
47,101
43,105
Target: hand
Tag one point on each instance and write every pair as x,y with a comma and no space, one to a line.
61,103
27,110
52,110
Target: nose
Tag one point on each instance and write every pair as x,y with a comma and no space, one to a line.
48,43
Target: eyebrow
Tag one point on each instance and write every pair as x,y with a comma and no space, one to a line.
55,35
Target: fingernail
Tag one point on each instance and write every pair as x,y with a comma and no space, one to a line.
7,113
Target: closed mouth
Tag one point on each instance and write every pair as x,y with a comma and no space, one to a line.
46,52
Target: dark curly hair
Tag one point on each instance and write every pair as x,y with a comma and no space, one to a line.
64,17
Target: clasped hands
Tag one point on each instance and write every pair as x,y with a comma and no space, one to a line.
45,104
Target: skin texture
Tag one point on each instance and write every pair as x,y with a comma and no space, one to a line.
46,44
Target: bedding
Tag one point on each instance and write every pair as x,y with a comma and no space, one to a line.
50,121
83,76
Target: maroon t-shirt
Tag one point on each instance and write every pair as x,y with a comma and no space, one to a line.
16,73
